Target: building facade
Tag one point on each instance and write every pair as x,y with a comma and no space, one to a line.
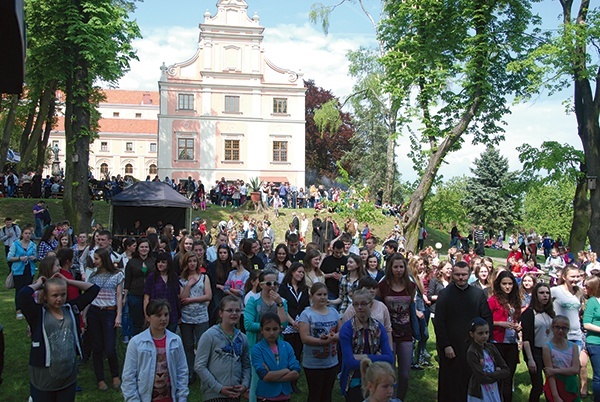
229,111
127,142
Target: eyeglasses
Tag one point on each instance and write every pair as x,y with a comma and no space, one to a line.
269,283
360,304
560,328
233,311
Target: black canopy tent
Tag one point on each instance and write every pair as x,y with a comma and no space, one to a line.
149,202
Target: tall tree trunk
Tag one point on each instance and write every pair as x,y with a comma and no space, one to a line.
42,115
390,169
417,199
581,216
8,127
43,143
587,112
77,203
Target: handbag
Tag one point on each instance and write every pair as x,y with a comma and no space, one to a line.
10,281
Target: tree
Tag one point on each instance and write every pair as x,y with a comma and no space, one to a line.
378,109
549,208
487,201
449,64
456,58
376,128
76,43
563,60
444,205
562,164
327,143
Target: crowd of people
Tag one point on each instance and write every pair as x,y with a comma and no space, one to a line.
246,315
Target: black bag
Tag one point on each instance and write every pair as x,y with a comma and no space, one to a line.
10,180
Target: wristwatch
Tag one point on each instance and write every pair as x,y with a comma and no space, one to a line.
280,304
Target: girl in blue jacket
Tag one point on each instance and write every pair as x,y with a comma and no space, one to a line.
274,361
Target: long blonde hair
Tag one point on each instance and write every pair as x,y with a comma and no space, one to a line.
375,374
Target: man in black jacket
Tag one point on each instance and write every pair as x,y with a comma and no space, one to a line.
456,306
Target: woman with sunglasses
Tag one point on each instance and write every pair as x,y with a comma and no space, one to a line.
268,301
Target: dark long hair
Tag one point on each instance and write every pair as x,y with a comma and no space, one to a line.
535,303
47,233
512,299
172,280
288,276
222,268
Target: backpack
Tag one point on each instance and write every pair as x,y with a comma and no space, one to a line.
10,180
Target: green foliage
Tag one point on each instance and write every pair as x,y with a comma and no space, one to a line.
551,162
327,117
254,183
456,54
445,204
356,202
549,208
319,14
488,202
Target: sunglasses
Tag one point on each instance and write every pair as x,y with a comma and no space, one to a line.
269,283
560,328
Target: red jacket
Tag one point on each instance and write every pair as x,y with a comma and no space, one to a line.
499,313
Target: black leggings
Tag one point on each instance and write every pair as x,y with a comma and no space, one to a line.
537,379
510,354
320,383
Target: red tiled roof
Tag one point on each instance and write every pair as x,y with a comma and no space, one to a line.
127,97
136,126
128,126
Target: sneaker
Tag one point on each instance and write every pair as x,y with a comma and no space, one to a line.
20,316
102,386
125,339
416,367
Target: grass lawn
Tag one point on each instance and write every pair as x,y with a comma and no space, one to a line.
423,384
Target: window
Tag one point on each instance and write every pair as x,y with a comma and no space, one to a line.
54,143
186,102
152,169
279,105
232,104
129,146
104,146
138,115
115,114
185,148
153,147
232,150
129,168
104,169
280,151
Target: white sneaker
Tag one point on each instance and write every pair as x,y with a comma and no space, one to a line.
20,316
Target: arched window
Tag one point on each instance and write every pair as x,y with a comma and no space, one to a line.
104,169
129,168
152,169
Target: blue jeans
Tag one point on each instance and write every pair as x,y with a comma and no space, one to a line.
39,228
101,325
136,312
126,324
594,352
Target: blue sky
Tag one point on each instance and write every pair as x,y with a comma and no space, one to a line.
170,33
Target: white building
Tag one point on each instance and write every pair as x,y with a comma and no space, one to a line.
228,111
127,138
